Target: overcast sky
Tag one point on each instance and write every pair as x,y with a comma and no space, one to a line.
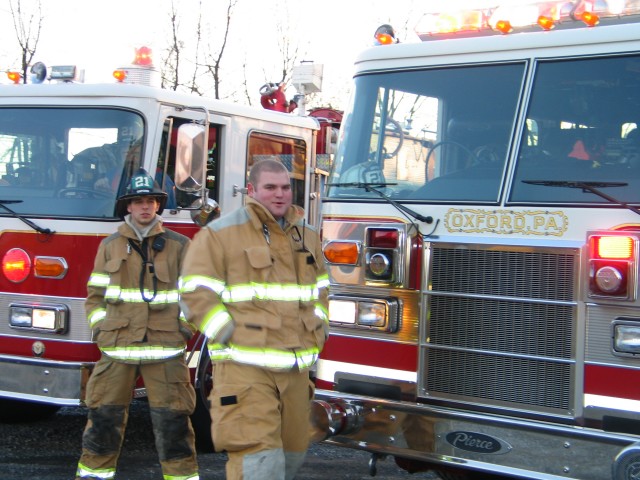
101,36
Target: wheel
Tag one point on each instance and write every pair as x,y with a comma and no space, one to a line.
18,411
81,192
201,418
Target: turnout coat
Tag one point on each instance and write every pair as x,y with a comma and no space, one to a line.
258,291
132,302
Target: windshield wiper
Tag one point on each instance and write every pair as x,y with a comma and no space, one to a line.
37,228
373,187
588,187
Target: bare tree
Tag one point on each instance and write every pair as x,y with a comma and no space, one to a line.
170,70
288,52
28,28
173,66
214,60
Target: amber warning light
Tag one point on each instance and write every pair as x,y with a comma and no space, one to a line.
613,247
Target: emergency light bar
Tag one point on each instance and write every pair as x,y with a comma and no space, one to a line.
524,16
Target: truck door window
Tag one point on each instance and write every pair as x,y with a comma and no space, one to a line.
584,110
436,134
290,151
166,165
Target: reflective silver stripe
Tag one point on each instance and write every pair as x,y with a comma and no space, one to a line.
86,472
270,358
98,280
96,315
149,352
215,320
191,282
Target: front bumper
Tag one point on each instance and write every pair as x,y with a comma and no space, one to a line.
44,381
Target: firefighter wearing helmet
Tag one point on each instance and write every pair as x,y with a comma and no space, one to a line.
132,309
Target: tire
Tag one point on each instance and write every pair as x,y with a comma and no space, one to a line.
18,411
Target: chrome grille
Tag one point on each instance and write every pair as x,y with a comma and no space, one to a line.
500,327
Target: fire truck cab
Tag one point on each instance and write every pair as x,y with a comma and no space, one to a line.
67,150
481,227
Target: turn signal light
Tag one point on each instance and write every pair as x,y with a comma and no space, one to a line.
50,267
16,265
342,253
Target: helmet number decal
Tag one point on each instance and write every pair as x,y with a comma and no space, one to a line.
142,181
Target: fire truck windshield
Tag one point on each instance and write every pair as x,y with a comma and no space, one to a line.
443,134
66,162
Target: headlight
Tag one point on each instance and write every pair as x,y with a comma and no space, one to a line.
378,314
40,317
626,338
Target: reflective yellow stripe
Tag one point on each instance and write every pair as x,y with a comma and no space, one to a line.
323,281
321,312
96,315
131,295
259,291
193,476
86,472
148,352
98,280
269,358
215,320
191,282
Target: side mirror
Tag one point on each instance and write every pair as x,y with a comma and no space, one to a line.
191,158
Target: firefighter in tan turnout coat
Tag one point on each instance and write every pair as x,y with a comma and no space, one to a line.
254,282
132,307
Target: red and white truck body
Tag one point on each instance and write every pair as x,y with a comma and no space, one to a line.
481,227
53,139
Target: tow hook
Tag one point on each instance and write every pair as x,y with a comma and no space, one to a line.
373,463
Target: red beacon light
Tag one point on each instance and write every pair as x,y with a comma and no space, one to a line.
144,57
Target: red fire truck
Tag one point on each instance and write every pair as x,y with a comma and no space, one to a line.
481,227
66,150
